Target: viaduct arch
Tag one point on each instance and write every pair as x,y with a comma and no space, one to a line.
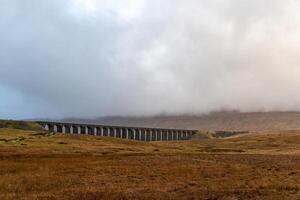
131,133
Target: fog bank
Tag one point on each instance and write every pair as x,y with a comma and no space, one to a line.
88,58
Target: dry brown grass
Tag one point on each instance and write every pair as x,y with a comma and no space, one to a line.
254,166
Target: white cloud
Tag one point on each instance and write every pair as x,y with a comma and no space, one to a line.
92,58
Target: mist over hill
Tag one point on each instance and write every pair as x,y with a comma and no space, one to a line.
233,121
89,58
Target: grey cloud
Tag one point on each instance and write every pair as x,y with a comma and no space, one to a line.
173,57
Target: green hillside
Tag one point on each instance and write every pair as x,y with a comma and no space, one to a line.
22,125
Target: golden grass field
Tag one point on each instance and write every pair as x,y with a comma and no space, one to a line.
38,165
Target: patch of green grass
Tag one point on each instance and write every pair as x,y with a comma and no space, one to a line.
216,134
22,125
203,135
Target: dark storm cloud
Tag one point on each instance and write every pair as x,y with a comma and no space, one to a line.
93,58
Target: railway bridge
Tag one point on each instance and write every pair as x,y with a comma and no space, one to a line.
131,133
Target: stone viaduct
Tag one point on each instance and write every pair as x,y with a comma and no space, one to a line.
131,133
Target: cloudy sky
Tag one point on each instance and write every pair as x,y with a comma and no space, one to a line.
88,58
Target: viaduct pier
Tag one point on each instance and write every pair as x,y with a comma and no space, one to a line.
131,133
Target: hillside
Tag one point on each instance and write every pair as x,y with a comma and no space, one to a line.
229,121
46,166
22,125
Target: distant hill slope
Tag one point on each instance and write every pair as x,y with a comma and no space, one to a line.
22,125
229,121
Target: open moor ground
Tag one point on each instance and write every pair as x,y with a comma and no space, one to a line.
36,165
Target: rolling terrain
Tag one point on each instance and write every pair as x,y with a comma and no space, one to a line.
218,121
40,165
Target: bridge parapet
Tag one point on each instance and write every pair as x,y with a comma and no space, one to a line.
131,133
